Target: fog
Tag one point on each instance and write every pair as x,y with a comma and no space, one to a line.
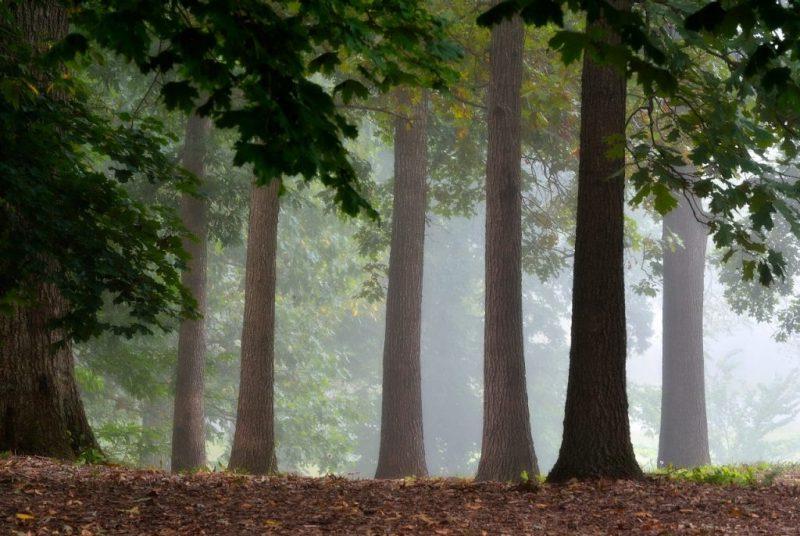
329,339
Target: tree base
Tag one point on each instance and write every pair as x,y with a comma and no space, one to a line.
41,412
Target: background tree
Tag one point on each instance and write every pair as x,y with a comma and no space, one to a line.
141,268
402,450
253,447
683,439
188,429
507,448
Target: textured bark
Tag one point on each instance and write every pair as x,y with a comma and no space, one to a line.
188,426
40,21
402,452
40,408
596,441
683,441
41,412
253,448
507,448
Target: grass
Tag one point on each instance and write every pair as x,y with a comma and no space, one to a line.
730,475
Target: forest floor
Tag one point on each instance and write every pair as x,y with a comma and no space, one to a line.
40,496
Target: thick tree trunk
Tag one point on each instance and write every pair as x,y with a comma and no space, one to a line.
683,441
596,441
41,412
507,449
402,452
40,408
188,427
253,448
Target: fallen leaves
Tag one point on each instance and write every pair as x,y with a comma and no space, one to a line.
40,496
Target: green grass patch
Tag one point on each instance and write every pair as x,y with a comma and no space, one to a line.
729,475
724,475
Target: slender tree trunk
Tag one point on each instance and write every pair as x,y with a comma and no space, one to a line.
402,452
254,440
188,427
155,420
40,408
683,441
507,449
596,441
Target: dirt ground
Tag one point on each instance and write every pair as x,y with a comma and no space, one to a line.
41,496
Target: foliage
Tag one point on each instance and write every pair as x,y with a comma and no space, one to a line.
724,475
747,422
66,218
729,74
91,456
744,420
321,397
253,62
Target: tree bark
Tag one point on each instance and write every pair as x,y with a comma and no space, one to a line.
507,447
253,448
683,441
402,452
596,441
41,412
188,427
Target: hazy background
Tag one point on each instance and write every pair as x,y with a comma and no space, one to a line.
330,334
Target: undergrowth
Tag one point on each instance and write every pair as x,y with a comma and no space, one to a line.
728,475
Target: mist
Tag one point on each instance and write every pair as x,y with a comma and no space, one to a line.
329,336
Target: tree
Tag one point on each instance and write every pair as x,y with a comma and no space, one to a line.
596,441
507,448
79,217
188,429
402,451
41,408
253,447
121,251
683,439
732,64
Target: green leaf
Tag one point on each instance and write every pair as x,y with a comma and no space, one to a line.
325,63
663,201
498,13
570,44
181,95
350,88
707,18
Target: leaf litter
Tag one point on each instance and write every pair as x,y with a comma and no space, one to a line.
42,496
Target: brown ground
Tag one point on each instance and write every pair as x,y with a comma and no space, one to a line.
39,496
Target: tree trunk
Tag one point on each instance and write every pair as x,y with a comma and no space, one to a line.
507,449
596,441
402,452
188,428
155,420
683,441
253,448
41,411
